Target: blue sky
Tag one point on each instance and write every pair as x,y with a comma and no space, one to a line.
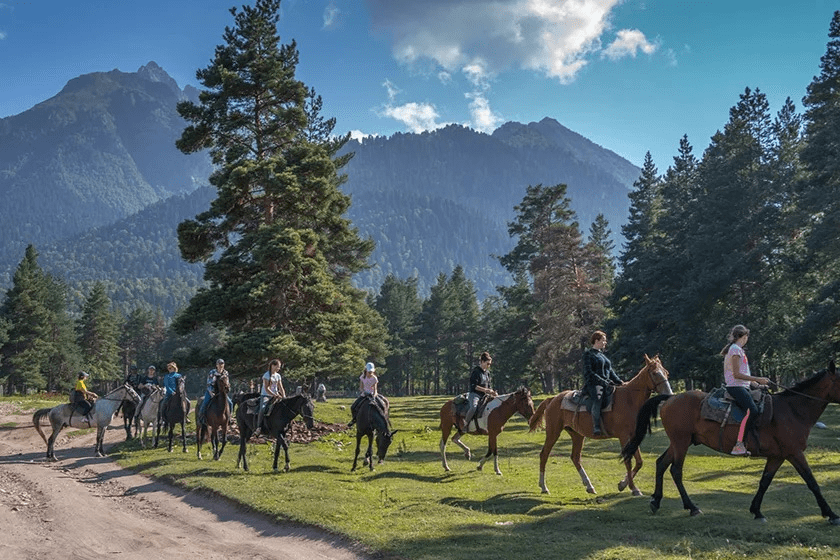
632,76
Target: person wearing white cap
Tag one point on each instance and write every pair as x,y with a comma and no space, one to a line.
368,387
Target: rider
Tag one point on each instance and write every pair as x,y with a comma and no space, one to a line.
736,373
147,386
598,374
83,397
272,388
170,385
479,388
212,376
369,389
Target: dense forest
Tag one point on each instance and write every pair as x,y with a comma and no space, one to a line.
744,232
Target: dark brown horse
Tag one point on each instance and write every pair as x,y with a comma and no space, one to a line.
617,423
275,424
492,421
216,417
372,419
174,411
783,437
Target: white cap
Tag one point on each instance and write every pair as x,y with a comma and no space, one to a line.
370,367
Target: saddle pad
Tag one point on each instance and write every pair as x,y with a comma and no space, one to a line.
576,401
714,407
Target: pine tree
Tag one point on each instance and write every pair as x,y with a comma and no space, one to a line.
399,305
28,347
97,335
279,252
64,360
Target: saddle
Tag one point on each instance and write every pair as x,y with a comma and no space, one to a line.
720,407
461,404
252,406
576,400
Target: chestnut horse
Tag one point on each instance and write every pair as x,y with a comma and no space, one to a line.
781,438
217,417
497,412
616,423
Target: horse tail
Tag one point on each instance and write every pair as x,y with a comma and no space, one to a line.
536,420
643,425
36,420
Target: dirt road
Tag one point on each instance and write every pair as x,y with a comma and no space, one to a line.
88,507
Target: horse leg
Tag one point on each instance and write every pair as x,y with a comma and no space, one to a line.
662,464
456,439
277,439
285,452
551,435
358,446
678,454
184,433
445,428
492,449
223,440
369,453
770,468
631,473
577,448
99,450
199,436
800,463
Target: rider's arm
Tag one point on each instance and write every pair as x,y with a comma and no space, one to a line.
736,372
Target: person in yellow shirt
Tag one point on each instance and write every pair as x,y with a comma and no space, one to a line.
84,397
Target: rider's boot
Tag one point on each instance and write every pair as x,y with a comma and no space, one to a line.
596,417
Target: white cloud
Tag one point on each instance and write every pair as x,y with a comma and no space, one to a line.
331,15
2,35
628,42
553,37
483,118
417,117
359,135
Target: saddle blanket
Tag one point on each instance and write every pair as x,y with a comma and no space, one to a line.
462,405
577,401
719,406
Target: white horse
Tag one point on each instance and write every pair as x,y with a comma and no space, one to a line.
100,415
148,414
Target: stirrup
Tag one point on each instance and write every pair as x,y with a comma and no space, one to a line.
740,449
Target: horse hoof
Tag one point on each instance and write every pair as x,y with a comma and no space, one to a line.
622,485
763,519
654,507
286,468
695,512
591,491
834,521
479,467
637,492
499,473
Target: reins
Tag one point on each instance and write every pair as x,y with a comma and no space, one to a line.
820,399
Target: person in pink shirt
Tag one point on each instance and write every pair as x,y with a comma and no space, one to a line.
736,373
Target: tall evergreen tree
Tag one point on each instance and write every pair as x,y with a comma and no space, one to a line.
821,198
97,333
28,347
399,305
64,359
279,252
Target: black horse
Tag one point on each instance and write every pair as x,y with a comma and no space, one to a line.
372,418
275,423
173,412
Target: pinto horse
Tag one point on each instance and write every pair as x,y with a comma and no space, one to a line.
276,422
216,419
173,411
370,419
782,438
66,414
616,423
497,412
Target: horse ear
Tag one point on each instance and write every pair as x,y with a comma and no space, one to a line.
647,359
832,368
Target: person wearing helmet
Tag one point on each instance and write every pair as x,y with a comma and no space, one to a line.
147,386
84,398
369,389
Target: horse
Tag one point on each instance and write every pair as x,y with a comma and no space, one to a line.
100,415
372,418
148,414
216,418
173,412
783,437
277,421
617,423
497,412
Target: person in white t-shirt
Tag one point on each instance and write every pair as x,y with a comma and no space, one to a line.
736,373
272,388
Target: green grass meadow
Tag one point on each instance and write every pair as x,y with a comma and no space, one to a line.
410,508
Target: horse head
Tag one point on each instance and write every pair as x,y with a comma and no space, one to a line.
524,404
657,376
223,384
130,393
383,441
307,411
834,389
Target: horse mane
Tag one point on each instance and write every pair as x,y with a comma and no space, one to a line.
805,383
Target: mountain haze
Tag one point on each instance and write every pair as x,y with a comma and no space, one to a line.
92,178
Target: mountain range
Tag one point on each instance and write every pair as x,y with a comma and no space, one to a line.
92,178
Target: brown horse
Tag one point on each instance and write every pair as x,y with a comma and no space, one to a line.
783,437
617,423
497,412
216,417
